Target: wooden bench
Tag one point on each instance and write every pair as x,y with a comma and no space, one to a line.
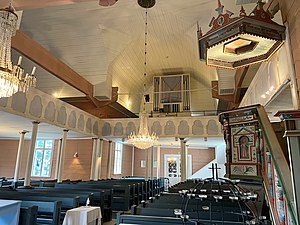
102,197
47,212
28,215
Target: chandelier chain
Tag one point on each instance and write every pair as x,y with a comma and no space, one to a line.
145,48
143,139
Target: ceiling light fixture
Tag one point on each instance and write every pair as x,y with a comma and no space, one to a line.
143,139
235,42
12,78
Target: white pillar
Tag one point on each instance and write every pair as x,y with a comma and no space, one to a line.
94,158
183,159
109,160
147,164
151,161
158,162
58,158
19,155
31,153
132,161
62,156
98,159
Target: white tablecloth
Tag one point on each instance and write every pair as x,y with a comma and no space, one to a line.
9,212
84,215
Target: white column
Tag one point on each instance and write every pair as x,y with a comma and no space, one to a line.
147,164
132,161
62,156
58,158
151,161
109,160
94,158
31,153
158,162
98,159
19,155
183,159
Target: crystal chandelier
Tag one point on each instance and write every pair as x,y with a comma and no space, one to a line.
143,139
12,78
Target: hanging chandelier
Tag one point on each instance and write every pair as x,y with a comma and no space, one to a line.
12,78
143,139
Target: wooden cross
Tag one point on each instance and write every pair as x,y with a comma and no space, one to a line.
217,168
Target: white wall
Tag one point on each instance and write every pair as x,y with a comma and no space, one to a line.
220,159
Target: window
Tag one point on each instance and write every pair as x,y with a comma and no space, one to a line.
41,166
118,158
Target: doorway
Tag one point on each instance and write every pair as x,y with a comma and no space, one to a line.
172,168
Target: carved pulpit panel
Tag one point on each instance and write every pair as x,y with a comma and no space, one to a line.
243,144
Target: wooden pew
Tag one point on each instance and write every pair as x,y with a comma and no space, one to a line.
96,197
121,199
48,212
28,215
66,203
102,197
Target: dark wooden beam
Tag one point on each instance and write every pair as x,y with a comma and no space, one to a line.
239,78
215,92
235,98
44,58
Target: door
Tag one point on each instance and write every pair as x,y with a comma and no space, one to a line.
172,168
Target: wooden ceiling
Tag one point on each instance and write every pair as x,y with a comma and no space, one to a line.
106,44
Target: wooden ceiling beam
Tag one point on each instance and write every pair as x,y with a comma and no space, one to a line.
240,75
42,57
35,4
235,98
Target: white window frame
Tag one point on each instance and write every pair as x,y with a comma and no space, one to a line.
118,158
44,149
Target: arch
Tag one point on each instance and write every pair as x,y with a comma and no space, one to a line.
62,115
36,106
80,124
19,102
50,111
183,128
130,128
212,127
106,129
118,129
96,128
169,128
72,119
156,128
88,125
197,128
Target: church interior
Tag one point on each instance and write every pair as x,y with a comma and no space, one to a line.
149,112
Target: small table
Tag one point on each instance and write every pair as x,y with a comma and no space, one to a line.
84,215
9,212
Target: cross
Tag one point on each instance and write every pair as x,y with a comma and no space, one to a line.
217,168
220,8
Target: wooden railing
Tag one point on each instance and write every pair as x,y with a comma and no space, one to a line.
277,175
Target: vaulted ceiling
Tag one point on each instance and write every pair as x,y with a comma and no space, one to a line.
105,45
